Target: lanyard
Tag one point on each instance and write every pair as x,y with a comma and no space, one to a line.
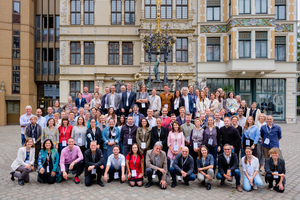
129,132
269,131
176,137
164,122
48,158
64,131
71,155
184,161
176,101
134,160
197,134
210,104
249,161
159,131
32,131
210,132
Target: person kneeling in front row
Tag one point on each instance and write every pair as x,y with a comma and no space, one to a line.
183,165
94,164
115,166
71,158
24,162
275,169
205,165
228,166
156,164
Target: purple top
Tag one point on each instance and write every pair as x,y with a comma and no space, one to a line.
88,97
66,154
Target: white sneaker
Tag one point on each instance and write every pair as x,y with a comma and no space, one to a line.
254,187
171,178
179,178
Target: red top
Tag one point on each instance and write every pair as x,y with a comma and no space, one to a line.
137,166
67,130
166,122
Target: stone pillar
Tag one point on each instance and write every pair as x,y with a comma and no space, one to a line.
253,44
2,107
174,9
123,12
81,11
120,52
81,52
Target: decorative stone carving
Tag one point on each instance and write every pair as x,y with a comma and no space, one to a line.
284,27
2,87
175,25
63,12
63,52
191,13
171,69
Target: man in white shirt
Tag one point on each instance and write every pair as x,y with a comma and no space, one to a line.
113,99
41,120
24,121
242,119
188,101
151,120
218,122
155,103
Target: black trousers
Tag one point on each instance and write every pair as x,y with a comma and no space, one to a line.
89,177
270,178
149,173
47,178
36,156
195,156
78,167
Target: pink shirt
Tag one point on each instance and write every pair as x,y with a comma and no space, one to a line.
65,157
175,140
88,97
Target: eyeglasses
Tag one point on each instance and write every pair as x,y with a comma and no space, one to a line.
184,151
227,149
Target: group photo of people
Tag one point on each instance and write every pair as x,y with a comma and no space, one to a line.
149,138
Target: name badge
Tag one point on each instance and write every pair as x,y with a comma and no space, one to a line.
143,105
133,173
195,145
188,138
111,140
105,106
166,105
27,162
48,169
127,103
176,147
267,141
143,145
116,175
93,171
232,110
129,141
194,105
79,141
247,142
33,140
153,175
64,143
175,107
275,176
210,141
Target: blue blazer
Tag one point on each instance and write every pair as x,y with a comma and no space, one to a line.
103,102
83,102
131,99
105,136
191,104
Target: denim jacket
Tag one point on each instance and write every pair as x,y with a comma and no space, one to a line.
105,136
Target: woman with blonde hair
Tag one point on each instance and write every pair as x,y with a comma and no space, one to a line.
262,118
202,103
243,106
102,122
79,134
250,135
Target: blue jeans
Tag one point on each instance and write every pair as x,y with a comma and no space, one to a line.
214,152
246,183
106,153
175,172
126,150
60,147
236,173
229,114
22,139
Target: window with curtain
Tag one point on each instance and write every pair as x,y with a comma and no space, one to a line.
213,49
89,12
280,8
261,42
181,9
127,53
113,53
89,53
16,79
244,44
129,12
116,12
75,53
261,6
213,10
244,6
181,49
75,12
150,9
280,48
166,9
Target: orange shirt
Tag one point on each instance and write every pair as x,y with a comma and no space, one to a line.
165,100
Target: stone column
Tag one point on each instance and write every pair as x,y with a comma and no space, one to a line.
2,106
81,11
120,52
123,11
253,44
81,52
174,9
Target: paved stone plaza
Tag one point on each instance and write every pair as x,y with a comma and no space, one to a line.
10,142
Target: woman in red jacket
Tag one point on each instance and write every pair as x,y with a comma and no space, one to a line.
65,131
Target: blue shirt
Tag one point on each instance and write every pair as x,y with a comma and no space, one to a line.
47,117
42,122
136,119
273,133
253,134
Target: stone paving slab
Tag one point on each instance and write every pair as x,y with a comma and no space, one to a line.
10,143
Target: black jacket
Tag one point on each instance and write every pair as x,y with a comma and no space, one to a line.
131,99
230,136
99,160
181,103
270,167
163,137
97,136
223,166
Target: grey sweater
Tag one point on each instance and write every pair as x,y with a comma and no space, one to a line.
78,133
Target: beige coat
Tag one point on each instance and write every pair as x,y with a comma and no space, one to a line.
201,106
21,158
147,138
213,106
162,162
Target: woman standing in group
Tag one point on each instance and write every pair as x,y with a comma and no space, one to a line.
142,98
196,139
250,135
79,134
238,100
219,99
213,103
244,107
50,132
224,101
260,154
232,104
135,166
253,111
121,123
56,117
79,101
24,162
93,134
57,108
211,139
65,131
201,104
95,100
143,136
48,171
176,103
110,135
111,115
102,122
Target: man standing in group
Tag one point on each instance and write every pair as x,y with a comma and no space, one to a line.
194,98
166,98
206,91
218,122
104,105
123,88
155,103
72,121
87,95
40,119
69,105
97,90
187,128
242,119
75,111
181,117
128,100
113,99
128,135
50,113
24,121
151,120
137,117
188,101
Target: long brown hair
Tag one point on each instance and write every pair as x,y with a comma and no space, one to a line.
247,124
199,152
113,115
247,148
219,98
179,128
200,98
82,121
25,143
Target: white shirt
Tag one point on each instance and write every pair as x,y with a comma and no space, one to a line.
42,121
186,104
155,102
152,121
220,124
112,101
116,163
254,165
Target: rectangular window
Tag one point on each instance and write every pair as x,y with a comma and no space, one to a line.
153,57
150,9
116,12
75,12
226,84
113,53
261,6
213,49
16,12
280,48
166,9
229,5
127,53
16,44
181,9
89,12
244,6
162,57
229,45
57,61
213,10
89,85
89,53
45,35
50,68
280,8
181,49
74,88
51,35
261,42
16,79
244,44
57,31
75,53
129,12
38,28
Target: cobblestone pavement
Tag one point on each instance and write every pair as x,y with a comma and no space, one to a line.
10,140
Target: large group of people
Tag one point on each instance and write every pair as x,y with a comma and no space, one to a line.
189,135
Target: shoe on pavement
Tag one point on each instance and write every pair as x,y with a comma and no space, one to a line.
76,179
101,183
238,188
179,178
110,180
148,184
254,187
186,183
203,183
12,176
208,187
222,182
271,188
173,184
21,182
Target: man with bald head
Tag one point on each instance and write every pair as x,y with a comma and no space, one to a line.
183,165
97,90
